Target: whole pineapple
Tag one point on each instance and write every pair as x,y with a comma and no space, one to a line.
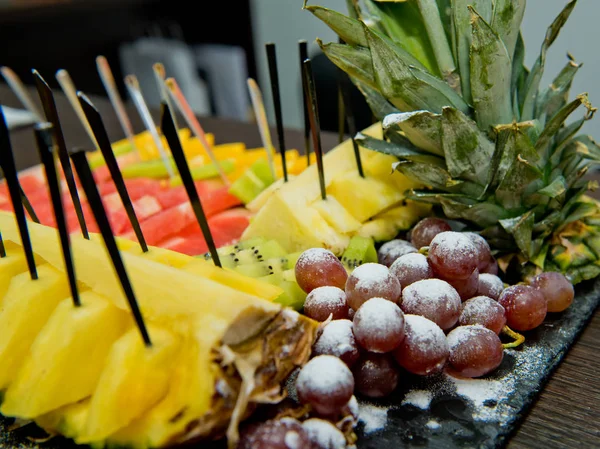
464,116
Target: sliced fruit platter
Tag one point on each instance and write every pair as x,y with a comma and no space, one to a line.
412,287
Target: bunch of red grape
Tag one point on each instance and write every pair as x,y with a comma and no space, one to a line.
432,304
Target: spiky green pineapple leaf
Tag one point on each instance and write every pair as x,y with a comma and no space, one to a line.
355,61
437,38
422,128
380,106
408,153
403,23
444,87
556,188
347,28
506,21
467,150
518,76
521,228
556,122
491,72
556,96
397,82
535,76
461,21
484,214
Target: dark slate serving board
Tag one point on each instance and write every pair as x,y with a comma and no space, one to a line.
441,412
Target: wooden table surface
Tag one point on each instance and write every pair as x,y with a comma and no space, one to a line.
567,412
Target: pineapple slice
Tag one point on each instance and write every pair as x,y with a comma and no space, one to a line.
68,420
67,357
11,265
135,378
294,226
365,197
25,310
336,215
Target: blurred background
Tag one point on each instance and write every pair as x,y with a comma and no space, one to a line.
212,47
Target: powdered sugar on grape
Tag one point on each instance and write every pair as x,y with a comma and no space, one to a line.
336,339
325,374
324,434
327,295
369,275
379,316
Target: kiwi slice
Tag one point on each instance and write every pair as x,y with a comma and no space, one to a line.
293,296
360,250
247,187
248,252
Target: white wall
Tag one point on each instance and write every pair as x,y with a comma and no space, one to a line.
284,22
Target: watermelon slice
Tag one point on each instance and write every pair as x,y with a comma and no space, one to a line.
192,246
144,207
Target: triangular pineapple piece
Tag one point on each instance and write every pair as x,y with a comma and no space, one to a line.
135,378
335,214
24,311
67,356
68,420
11,265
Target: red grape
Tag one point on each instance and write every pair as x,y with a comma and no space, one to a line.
434,299
424,349
490,286
390,251
351,313
525,307
318,267
379,325
426,229
484,311
466,288
453,255
474,350
323,434
411,268
337,339
483,249
325,301
375,375
371,280
285,433
491,268
326,383
556,288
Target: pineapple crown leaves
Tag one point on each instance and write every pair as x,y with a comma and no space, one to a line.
466,118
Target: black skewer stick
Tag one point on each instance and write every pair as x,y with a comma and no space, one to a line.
27,205
303,57
95,121
2,248
46,148
274,77
345,87
47,99
89,186
7,162
313,114
169,129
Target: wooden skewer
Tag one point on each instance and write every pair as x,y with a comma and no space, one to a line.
188,114
20,91
263,125
133,87
170,132
160,74
27,205
2,248
311,100
87,181
110,86
51,113
274,77
7,162
45,144
68,87
95,120
345,90
304,56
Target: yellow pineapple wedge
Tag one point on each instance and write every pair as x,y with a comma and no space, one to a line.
297,218
67,356
135,377
227,343
24,311
11,265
